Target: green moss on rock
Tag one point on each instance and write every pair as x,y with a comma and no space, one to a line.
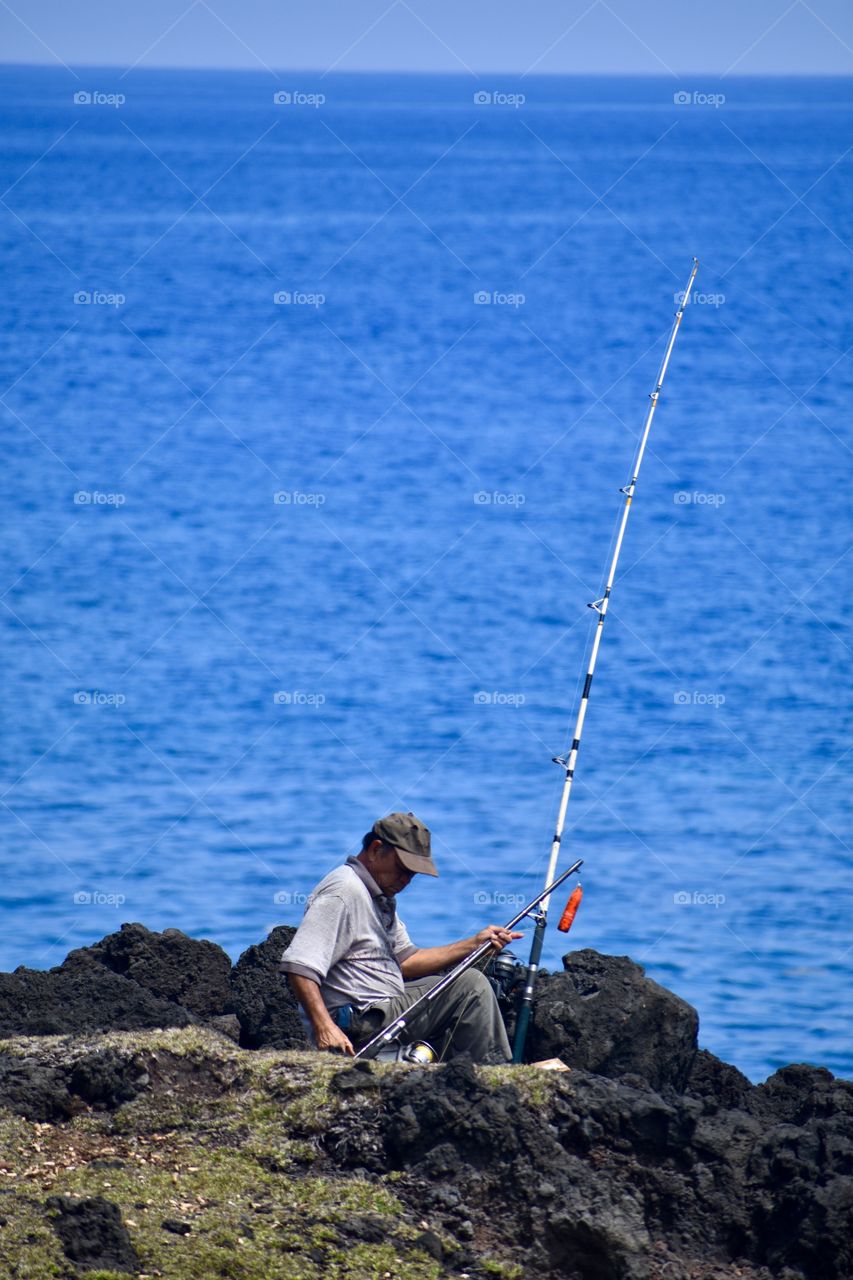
221,1145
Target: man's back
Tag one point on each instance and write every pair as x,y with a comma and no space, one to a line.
350,941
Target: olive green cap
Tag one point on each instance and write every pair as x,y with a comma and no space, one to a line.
410,838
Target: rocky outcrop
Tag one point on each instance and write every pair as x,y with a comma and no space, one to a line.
177,1152
48,1087
190,972
80,997
604,1015
92,1233
184,1151
612,1179
135,979
267,1012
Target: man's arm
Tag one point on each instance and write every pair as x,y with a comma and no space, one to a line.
327,1034
428,960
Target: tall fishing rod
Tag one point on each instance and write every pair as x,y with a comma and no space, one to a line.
395,1029
568,761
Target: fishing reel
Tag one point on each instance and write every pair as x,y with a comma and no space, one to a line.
418,1052
506,973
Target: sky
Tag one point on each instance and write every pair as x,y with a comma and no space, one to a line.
721,37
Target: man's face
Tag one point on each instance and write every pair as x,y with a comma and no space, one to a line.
387,869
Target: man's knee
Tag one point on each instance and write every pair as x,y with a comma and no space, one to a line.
475,984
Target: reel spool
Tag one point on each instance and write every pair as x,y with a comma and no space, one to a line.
419,1052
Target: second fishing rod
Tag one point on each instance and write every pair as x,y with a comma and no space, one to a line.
569,761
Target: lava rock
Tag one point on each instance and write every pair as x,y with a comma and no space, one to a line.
176,1226
191,972
106,1079
431,1244
36,1090
92,1234
56,1090
717,1084
262,998
359,1076
798,1093
77,998
450,1125
603,1014
228,1025
617,1181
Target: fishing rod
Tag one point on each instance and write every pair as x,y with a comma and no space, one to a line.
568,761
394,1029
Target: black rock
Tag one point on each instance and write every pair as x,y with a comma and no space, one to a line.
617,1181
50,1091
35,1089
359,1076
77,998
227,1024
620,1182
170,965
92,1234
798,1093
717,1084
431,1244
371,1227
604,1015
176,1227
106,1079
262,999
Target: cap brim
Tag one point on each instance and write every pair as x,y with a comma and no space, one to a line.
419,862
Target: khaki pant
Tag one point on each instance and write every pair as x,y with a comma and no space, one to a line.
463,1019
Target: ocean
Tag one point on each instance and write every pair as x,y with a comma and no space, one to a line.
317,398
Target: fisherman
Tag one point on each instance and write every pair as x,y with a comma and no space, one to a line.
354,968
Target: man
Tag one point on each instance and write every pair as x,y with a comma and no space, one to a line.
354,968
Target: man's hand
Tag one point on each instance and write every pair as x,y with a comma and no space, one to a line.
497,936
327,1034
331,1037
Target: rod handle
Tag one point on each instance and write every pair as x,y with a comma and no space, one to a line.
568,916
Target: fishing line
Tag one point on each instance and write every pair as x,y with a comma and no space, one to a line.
537,908
599,607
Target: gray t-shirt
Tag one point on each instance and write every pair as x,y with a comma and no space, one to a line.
350,941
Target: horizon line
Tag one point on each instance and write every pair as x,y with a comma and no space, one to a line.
408,71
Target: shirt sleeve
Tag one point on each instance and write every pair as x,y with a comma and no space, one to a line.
321,939
402,944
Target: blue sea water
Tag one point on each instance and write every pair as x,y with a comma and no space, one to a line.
210,694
